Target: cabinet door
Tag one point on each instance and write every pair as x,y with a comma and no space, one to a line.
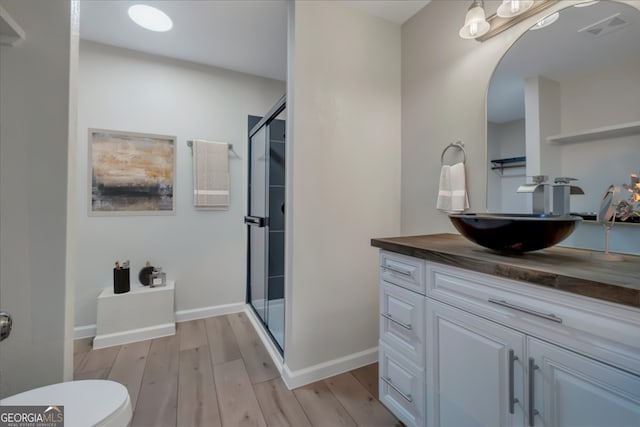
475,374
572,390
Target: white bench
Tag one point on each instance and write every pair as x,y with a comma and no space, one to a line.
142,313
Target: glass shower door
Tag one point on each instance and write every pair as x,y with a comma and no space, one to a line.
256,220
265,220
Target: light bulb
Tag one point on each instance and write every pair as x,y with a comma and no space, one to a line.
475,23
511,8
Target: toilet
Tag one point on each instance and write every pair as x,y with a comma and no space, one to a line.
86,403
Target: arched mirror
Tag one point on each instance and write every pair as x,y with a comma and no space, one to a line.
565,101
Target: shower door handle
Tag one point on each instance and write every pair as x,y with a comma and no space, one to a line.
257,221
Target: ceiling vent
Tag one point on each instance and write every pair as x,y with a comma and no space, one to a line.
604,26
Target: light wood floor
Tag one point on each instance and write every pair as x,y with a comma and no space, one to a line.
216,372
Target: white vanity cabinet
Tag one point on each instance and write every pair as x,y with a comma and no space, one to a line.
500,352
402,332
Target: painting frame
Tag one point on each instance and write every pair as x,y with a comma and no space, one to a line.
131,173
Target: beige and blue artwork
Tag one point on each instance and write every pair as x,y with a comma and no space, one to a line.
131,173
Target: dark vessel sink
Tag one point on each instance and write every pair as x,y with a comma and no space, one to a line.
515,233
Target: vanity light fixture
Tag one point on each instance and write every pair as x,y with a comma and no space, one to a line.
475,22
511,8
510,12
545,22
150,18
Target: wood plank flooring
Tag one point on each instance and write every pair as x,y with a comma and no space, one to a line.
216,372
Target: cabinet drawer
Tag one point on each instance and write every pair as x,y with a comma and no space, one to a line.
403,271
401,386
600,329
402,321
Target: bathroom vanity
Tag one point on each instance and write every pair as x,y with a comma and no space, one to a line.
469,336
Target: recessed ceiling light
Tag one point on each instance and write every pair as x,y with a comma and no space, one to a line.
544,22
150,18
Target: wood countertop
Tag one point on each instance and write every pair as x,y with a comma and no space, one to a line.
565,269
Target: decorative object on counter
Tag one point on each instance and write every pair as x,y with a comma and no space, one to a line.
515,233
145,274
131,173
452,190
607,216
157,277
615,207
121,278
630,207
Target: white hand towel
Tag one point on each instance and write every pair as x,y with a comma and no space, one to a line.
210,174
452,192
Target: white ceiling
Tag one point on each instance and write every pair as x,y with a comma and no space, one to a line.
249,36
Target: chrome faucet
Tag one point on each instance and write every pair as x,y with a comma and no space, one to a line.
562,190
539,190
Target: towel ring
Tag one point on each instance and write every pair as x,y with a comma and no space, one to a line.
457,145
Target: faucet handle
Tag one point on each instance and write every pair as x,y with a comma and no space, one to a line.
539,179
564,180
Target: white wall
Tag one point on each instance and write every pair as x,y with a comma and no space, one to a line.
444,84
505,140
34,118
204,251
610,96
345,181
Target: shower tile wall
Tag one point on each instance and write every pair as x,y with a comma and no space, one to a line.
276,208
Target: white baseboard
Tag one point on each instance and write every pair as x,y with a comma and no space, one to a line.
87,331
133,335
294,379
265,338
202,313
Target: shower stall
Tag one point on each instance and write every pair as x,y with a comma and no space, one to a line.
265,220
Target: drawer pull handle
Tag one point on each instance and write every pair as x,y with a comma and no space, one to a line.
512,400
406,397
503,303
404,325
532,410
397,270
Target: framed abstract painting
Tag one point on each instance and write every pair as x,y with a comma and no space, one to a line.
131,173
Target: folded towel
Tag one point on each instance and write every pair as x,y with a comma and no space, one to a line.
452,192
210,174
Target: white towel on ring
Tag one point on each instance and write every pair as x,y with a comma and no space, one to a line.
452,191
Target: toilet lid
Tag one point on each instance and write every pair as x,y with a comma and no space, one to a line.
88,402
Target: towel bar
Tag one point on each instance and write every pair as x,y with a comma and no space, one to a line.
458,145
190,144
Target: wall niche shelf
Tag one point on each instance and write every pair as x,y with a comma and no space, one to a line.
499,165
11,34
605,132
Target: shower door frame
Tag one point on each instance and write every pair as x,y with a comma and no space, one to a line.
271,115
